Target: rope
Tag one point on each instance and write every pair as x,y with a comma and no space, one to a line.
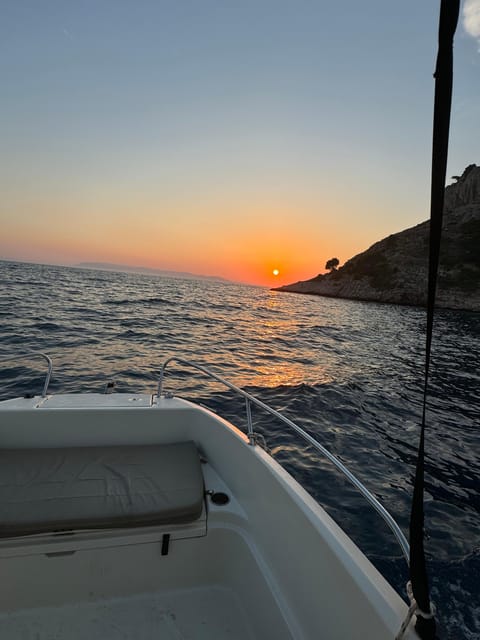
414,609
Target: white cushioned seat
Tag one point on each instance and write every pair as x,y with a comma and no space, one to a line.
47,490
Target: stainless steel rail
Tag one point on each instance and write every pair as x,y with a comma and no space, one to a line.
35,354
249,399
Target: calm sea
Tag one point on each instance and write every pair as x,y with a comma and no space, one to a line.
348,372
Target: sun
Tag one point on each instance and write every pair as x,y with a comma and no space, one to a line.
276,272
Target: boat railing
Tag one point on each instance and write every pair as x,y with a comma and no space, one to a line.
249,400
34,354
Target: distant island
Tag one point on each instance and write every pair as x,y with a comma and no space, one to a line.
108,266
394,270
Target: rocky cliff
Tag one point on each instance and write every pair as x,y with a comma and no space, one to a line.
395,269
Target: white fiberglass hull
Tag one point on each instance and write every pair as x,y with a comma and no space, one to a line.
268,564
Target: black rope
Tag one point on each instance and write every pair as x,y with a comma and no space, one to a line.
449,11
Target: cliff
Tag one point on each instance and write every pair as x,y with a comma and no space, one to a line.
395,269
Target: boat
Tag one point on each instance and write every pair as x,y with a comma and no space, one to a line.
149,516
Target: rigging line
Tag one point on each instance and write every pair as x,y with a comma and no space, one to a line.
449,10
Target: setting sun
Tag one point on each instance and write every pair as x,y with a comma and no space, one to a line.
275,272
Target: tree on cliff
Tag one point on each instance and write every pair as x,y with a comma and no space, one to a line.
332,264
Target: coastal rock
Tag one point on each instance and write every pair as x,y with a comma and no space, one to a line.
395,269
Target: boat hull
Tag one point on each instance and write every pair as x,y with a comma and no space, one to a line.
272,563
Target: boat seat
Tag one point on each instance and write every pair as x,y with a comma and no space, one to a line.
65,489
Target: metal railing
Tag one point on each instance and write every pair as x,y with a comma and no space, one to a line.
34,354
249,400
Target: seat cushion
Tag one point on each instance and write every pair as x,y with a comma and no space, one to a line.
45,490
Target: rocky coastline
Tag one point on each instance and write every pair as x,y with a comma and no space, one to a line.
394,270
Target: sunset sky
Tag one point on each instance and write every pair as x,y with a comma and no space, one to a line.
227,137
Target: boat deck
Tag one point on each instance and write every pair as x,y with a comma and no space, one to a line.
120,585
210,612
266,562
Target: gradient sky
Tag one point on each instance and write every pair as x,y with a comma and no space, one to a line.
222,137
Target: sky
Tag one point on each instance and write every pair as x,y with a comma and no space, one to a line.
226,137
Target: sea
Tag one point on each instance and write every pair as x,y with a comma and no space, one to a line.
350,373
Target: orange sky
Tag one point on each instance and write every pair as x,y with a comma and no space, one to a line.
238,240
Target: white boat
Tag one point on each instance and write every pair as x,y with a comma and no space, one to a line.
147,516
